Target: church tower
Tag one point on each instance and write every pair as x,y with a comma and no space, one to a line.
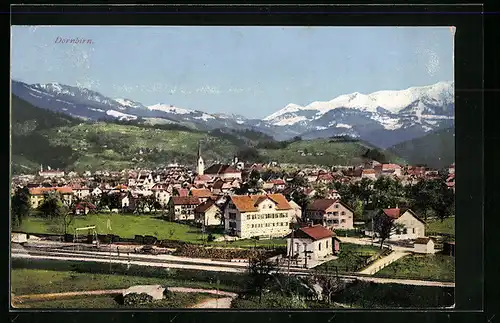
200,167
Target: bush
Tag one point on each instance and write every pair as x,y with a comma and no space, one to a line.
137,299
210,238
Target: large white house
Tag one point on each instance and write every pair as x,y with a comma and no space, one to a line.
265,215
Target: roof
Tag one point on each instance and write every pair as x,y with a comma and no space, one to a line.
202,178
201,192
315,232
217,169
278,182
395,213
390,166
422,240
321,204
368,171
182,191
43,190
248,203
185,200
205,206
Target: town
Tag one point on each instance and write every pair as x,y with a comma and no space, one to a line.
341,228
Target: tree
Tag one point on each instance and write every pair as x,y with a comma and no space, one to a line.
384,226
261,272
20,206
329,285
52,205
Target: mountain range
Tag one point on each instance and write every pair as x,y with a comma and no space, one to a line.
383,118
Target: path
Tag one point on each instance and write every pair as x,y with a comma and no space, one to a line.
383,262
209,303
215,303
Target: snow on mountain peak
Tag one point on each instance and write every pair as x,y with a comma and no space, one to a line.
168,108
441,93
128,103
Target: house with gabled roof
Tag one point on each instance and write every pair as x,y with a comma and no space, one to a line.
412,226
313,241
202,193
262,215
331,213
181,208
207,214
37,194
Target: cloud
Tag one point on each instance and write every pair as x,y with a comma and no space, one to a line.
207,89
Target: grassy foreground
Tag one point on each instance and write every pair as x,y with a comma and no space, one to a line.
38,281
426,267
177,300
372,295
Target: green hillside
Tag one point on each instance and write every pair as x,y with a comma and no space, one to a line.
437,149
329,152
43,137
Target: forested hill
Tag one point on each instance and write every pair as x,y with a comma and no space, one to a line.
437,149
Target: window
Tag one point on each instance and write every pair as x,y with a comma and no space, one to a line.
326,244
342,213
413,230
335,221
336,206
252,226
248,217
253,217
405,231
342,221
319,246
335,213
270,206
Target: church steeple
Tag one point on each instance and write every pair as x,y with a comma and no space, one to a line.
200,167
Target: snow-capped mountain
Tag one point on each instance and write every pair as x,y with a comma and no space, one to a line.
383,118
91,105
130,103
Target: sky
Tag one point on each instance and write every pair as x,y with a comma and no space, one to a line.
250,71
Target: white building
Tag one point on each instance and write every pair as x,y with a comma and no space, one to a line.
424,245
316,241
266,215
413,226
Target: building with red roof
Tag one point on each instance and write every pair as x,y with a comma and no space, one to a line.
314,242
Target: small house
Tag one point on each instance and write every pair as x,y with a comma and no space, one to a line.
315,241
207,214
424,245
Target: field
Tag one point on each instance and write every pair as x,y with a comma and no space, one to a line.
426,267
352,257
177,300
372,295
447,226
125,226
